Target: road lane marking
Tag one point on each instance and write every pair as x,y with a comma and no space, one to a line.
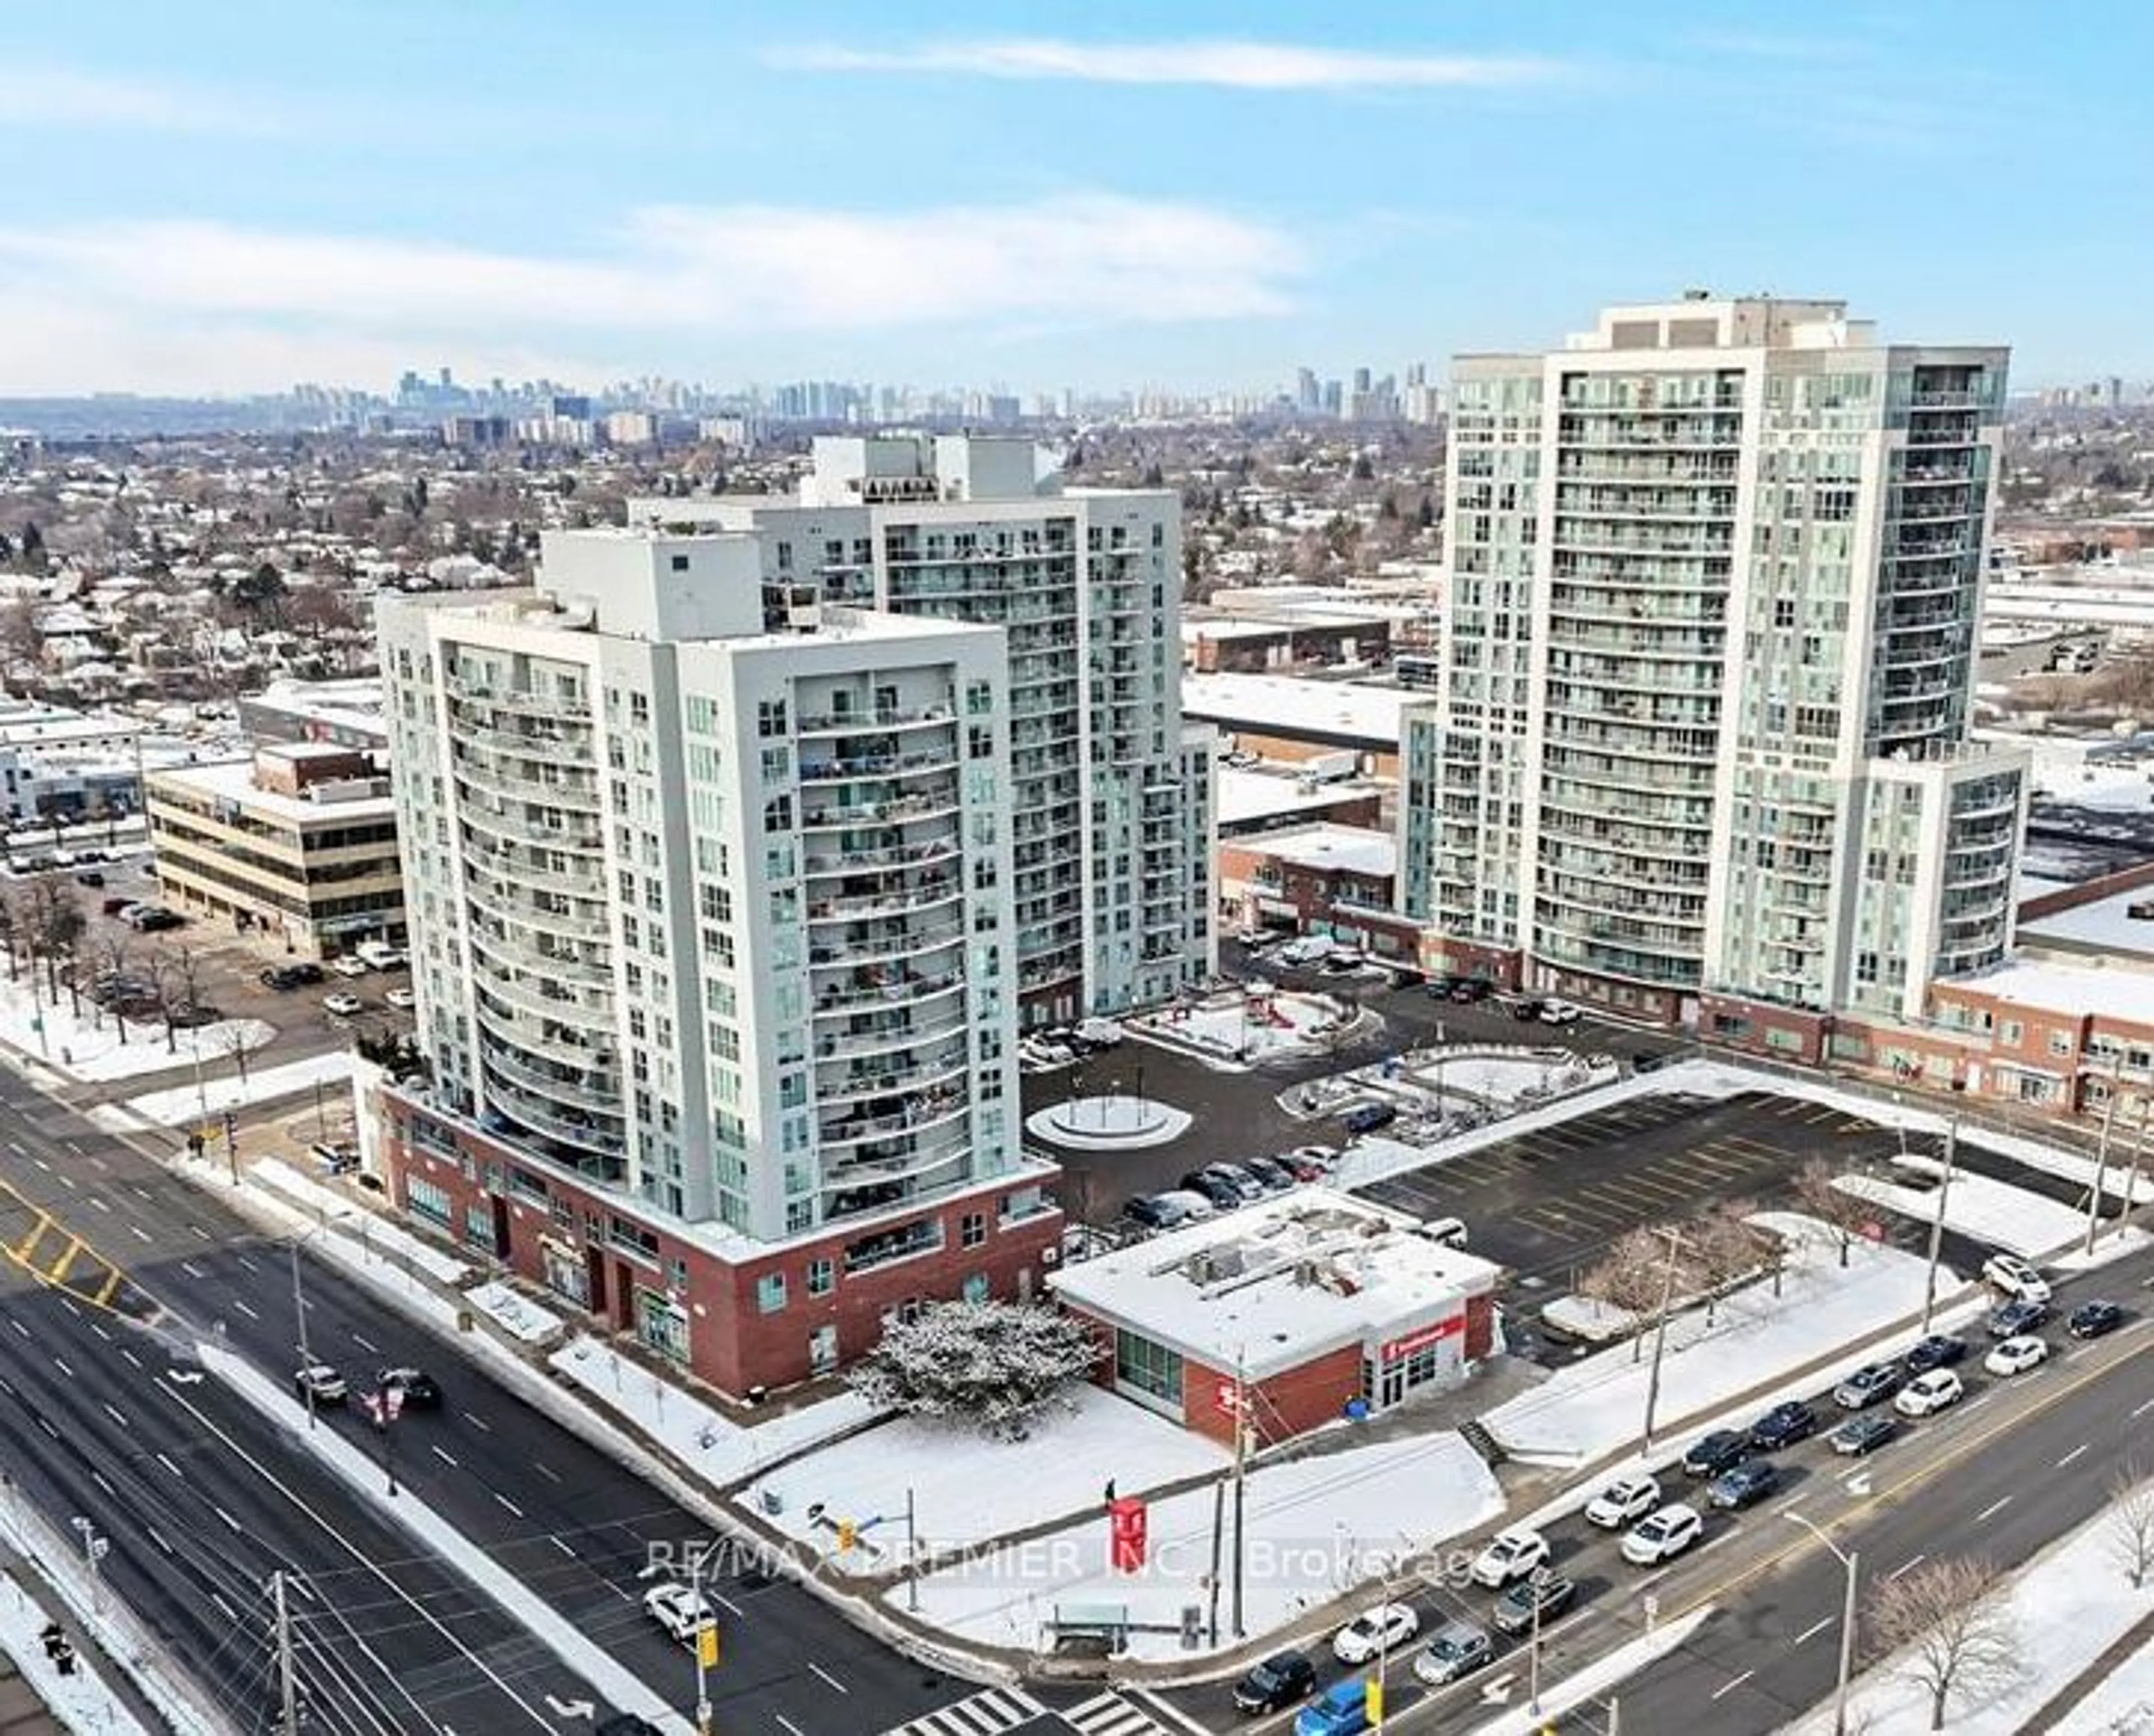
116,1416
100,1200
197,1230
563,1547
245,1309
504,1500
480,1423
551,1475
367,1344
1906,1567
60,1363
1729,1687
141,1192
231,1615
440,1454
19,1325
2143,1409
134,1361
816,1667
732,1608
68,1180
249,1263
157,1537
1813,1630
2072,1455
45,1423
98,1478
140,1233
17,1149
1977,1403
167,1464
1992,1510
192,1269
228,1520
100,1331
788,1724
43,1164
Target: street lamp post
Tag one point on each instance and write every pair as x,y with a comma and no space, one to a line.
1851,1560
1937,1224
93,1551
1659,1335
1540,1578
299,1309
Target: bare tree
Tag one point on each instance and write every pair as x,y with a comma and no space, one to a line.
1724,1248
2132,1523
242,1041
176,976
56,924
114,958
1629,1276
14,931
1953,1639
1841,1211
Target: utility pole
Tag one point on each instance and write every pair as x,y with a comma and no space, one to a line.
287,1687
911,1555
2101,1164
306,1356
1241,1466
1660,1341
706,1622
1937,1224
1218,1533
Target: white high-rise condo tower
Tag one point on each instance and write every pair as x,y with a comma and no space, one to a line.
1700,752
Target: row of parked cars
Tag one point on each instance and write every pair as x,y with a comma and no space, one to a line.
1225,1187
1734,1470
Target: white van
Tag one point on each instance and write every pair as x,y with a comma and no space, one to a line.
1446,1232
380,954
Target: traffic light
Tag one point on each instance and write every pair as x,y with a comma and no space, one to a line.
706,1645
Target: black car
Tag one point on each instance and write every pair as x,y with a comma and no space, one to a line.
1523,1010
1468,989
1937,1351
1722,1450
1217,1183
1783,1425
1746,1485
1275,1175
1155,1211
279,977
422,1390
1283,1680
2009,1319
1514,1609
89,877
2092,1319
1368,1117
308,973
1864,1434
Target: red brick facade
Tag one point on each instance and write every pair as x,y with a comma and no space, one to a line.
765,1317
1281,1407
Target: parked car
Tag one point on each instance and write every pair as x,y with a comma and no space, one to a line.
307,972
2015,1278
279,977
1551,1594
1623,1502
1342,1711
380,954
117,907
1510,1555
1311,1163
2093,1319
403,999
89,877
350,965
1458,1649
1526,1010
1927,1394
1275,1175
1937,1351
1864,1434
1162,1211
1662,1536
1465,990
337,1156
1783,1425
2014,1320
1745,1485
153,919
1283,1680
1555,1012
1216,1184
1717,1452
2017,1356
681,1610
322,1383
1384,1628
190,1015
342,1006
1869,1385
1368,1117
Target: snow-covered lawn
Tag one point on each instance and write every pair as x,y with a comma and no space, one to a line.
1988,1211
91,1047
967,1490
1314,1529
1588,1320
182,1104
2069,1605
706,1440
82,1701
1502,1080
1597,1404
1241,1027
520,1318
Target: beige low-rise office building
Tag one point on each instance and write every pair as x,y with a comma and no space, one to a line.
299,840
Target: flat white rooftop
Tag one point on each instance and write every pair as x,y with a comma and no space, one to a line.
1242,796
232,780
2106,926
2045,985
1349,850
1277,1283
1284,705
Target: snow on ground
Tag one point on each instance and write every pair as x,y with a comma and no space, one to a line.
2073,1168
704,1439
519,1317
1588,1320
82,1701
91,1047
1239,1026
347,1217
967,1488
1989,1211
1597,1405
1313,1530
2069,1605
2124,1704
1500,1079
182,1104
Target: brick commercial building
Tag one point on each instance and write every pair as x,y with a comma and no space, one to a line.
1288,1311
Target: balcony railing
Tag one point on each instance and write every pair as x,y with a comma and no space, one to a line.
904,990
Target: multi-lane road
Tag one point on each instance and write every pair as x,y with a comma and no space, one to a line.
202,1499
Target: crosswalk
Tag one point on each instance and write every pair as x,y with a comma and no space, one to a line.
986,1714
1111,1715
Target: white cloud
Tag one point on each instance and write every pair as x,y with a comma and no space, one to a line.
195,305
56,96
1236,65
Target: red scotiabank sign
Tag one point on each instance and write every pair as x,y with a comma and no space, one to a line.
1126,1519
1422,1337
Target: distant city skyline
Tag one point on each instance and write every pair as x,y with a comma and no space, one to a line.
1054,198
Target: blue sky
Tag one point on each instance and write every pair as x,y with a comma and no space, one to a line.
237,194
